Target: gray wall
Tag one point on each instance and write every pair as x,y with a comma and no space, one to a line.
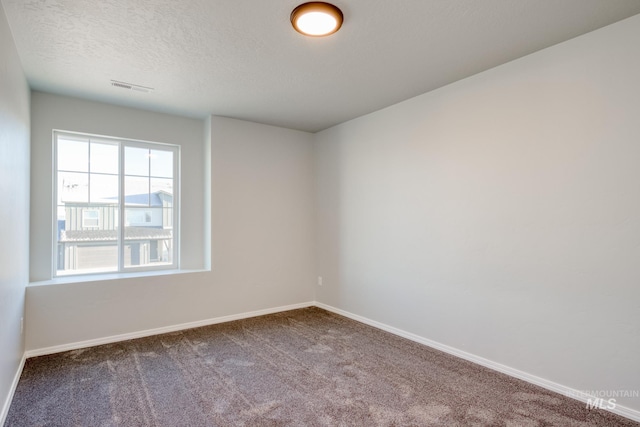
262,229
14,208
499,215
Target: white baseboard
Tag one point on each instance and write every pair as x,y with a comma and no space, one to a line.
163,330
549,385
12,391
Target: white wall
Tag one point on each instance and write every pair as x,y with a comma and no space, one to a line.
262,230
14,209
499,215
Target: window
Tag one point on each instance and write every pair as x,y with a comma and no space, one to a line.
90,218
103,183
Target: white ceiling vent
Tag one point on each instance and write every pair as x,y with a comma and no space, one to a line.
130,86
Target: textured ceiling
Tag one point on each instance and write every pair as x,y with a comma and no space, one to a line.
242,58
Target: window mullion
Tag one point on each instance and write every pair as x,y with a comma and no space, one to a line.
121,206
149,180
89,175
55,240
175,208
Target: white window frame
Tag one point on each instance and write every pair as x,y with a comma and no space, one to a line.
122,143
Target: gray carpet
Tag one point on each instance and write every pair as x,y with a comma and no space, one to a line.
304,367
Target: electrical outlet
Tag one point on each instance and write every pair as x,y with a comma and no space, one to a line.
319,280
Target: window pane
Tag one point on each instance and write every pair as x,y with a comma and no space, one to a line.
147,247
148,236
103,188
143,217
136,191
104,158
73,155
161,163
160,186
167,218
73,187
136,161
87,238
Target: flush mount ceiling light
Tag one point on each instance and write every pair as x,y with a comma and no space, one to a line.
316,19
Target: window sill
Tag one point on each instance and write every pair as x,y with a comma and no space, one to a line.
110,276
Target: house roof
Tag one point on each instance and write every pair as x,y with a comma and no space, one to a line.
146,199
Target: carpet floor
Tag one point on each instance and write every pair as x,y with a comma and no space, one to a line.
304,367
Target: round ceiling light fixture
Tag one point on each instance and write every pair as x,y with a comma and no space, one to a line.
316,19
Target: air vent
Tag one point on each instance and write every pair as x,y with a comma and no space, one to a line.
130,86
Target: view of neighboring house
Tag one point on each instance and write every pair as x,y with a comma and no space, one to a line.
88,234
